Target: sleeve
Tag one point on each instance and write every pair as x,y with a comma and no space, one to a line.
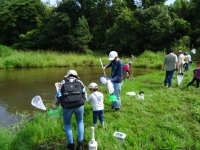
109,65
84,93
89,98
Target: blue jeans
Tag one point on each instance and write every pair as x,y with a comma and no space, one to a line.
168,78
98,114
67,115
117,88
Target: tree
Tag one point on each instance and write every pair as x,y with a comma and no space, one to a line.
82,34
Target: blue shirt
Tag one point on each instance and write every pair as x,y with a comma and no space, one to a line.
117,71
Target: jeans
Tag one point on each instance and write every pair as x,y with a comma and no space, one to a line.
168,78
67,115
117,88
98,114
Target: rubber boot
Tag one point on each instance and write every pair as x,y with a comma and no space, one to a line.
70,146
79,146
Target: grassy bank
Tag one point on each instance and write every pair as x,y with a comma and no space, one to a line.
165,119
10,58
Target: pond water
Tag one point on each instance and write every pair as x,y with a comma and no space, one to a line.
19,86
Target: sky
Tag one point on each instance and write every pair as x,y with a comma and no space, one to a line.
168,2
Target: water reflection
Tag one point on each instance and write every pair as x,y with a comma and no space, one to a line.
19,86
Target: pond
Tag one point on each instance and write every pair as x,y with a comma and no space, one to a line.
19,86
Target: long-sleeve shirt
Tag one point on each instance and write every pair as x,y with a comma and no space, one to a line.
97,100
117,70
197,73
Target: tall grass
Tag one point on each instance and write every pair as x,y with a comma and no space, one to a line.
33,59
165,119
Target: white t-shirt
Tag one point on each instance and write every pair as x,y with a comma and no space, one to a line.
97,100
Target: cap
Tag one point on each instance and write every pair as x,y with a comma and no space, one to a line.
112,55
72,72
93,86
180,51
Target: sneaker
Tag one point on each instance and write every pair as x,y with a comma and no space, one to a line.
70,146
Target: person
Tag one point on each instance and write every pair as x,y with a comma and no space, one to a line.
190,61
196,77
127,68
186,65
170,64
97,103
71,95
181,58
116,77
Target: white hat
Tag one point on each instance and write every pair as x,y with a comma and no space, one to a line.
112,55
72,72
93,86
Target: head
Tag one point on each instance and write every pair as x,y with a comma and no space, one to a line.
199,64
113,55
180,52
186,53
72,73
93,87
170,51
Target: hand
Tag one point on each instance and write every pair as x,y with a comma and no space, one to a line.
104,68
54,107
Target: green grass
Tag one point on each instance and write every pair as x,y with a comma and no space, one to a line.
10,58
165,119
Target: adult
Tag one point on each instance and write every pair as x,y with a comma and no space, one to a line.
181,62
116,77
170,64
196,76
186,61
72,101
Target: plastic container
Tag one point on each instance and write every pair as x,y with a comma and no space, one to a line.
119,136
141,95
113,98
54,113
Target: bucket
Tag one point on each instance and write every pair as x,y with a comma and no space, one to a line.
113,98
54,113
141,95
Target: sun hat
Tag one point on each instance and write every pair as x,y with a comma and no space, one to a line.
93,86
180,51
112,55
73,73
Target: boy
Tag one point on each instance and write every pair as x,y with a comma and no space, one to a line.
97,104
196,76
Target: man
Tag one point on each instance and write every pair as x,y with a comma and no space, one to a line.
116,77
170,64
181,62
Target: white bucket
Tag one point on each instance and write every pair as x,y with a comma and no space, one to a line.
141,95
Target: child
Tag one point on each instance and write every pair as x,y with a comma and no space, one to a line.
196,76
127,68
97,103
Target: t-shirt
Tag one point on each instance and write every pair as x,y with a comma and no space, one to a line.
170,61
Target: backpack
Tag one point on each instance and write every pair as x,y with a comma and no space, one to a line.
72,94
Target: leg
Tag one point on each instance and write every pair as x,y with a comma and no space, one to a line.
166,81
95,116
117,90
67,115
171,73
101,116
190,83
197,82
79,119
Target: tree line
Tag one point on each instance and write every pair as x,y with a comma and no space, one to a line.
127,26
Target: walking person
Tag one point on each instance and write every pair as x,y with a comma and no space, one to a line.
170,64
196,77
97,99
116,77
72,98
181,62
